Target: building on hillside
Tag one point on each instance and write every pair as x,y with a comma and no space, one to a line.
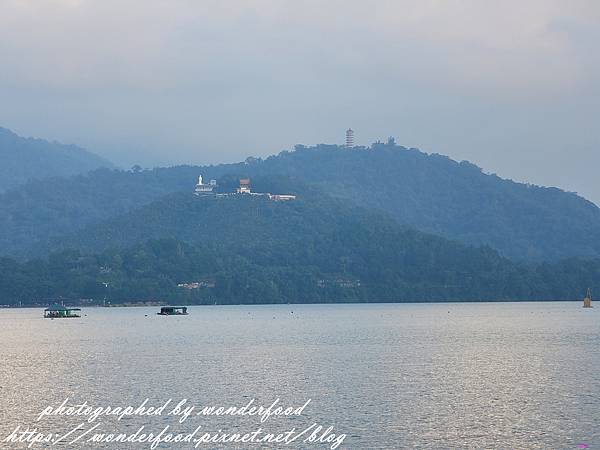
204,189
281,197
197,285
346,283
244,186
349,138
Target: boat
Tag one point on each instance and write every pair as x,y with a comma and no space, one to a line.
173,311
587,301
57,311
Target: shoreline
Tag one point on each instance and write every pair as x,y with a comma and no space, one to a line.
158,304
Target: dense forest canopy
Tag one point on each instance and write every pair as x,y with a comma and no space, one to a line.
245,249
383,223
430,192
457,200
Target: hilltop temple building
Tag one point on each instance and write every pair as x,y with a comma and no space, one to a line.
244,188
349,138
204,189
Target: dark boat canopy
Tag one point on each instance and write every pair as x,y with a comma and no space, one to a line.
173,310
57,311
56,307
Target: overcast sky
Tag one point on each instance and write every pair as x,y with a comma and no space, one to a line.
511,85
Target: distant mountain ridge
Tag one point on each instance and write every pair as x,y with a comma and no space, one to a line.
458,200
23,159
429,192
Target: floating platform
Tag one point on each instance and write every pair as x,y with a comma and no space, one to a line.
61,312
173,311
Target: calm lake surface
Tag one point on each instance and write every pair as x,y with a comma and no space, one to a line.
487,375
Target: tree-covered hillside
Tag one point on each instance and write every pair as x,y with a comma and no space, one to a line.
457,200
23,159
430,192
245,249
38,212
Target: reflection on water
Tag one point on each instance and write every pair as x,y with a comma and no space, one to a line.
520,375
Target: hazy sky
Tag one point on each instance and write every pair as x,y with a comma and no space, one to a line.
512,85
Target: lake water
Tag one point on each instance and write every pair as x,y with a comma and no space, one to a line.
488,375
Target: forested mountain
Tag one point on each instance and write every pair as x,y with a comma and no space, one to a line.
35,212
247,249
136,236
436,194
239,221
430,192
24,159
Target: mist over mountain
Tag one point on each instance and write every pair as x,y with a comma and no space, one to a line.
431,193
23,159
